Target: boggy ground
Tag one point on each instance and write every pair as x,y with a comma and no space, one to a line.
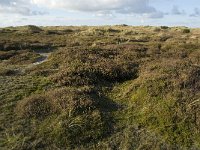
109,87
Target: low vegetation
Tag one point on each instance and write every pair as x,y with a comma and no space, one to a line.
110,87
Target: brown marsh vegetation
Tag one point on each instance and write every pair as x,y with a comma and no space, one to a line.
109,87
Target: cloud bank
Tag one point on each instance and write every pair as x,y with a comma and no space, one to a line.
121,6
102,11
17,7
106,7
196,12
177,11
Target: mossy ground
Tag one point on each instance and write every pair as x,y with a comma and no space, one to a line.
110,87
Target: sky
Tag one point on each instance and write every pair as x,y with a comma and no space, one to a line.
100,12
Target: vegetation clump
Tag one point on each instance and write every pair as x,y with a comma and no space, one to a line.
7,71
186,30
37,106
31,29
164,27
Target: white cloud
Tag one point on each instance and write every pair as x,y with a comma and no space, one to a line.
155,15
105,14
177,11
103,6
196,12
17,7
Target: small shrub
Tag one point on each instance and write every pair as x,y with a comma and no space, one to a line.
193,80
111,30
7,72
117,71
164,27
6,54
11,46
49,32
123,25
76,76
156,29
36,106
24,57
31,29
164,37
75,100
67,31
72,131
186,31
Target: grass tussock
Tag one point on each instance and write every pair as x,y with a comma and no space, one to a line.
37,106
